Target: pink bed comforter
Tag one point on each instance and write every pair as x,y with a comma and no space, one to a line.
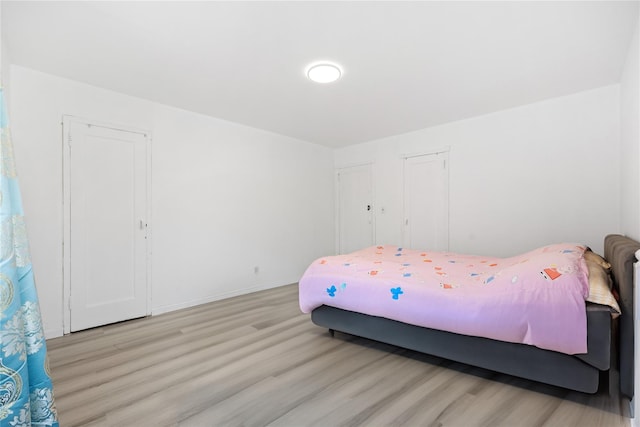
537,298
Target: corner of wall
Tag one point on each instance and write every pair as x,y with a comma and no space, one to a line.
630,169
630,140
5,61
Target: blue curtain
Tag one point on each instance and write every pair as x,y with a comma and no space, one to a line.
26,391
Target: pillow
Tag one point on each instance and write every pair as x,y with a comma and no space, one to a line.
600,287
589,255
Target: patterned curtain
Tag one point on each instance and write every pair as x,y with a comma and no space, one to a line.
26,391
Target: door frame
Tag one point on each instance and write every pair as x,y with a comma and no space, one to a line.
67,121
444,151
336,181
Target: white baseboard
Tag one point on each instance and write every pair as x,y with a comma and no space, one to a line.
53,333
216,297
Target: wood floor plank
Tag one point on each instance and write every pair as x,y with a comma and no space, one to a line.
255,360
201,365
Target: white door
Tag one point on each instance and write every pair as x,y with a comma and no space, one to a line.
106,186
355,208
426,202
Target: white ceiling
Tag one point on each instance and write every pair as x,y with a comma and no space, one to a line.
407,65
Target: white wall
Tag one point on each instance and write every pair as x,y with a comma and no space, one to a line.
1,44
630,140
225,197
520,178
5,59
630,171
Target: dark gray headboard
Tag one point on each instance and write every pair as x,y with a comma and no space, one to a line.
620,252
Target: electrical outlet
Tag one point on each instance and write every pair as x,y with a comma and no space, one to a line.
256,269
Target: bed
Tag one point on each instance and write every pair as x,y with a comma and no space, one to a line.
512,349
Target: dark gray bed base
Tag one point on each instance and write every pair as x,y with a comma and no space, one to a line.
579,372
515,359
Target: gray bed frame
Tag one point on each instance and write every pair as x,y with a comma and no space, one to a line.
578,372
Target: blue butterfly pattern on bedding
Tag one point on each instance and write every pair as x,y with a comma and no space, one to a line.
396,292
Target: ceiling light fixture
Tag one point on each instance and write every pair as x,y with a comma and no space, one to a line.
324,72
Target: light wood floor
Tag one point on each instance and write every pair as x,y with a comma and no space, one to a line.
255,360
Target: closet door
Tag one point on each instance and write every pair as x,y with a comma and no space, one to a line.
426,202
355,208
105,224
